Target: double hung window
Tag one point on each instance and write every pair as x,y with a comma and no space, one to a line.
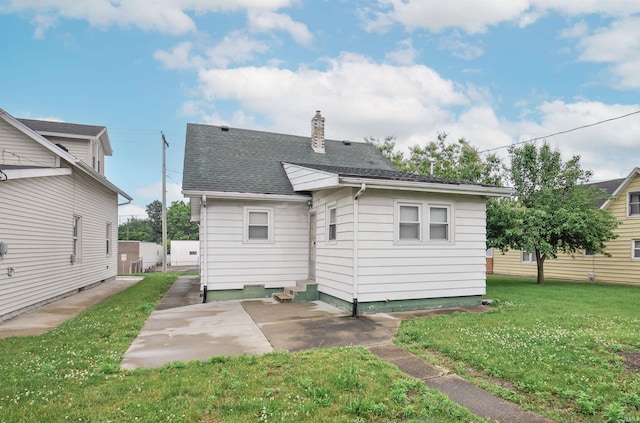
258,225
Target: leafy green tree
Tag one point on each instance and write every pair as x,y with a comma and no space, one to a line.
458,160
136,230
179,225
552,211
388,149
154,211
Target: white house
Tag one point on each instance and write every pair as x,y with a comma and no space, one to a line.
185,252
278,209
59,225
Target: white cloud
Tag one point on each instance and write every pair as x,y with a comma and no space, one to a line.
131,211
609,149
618,46
358,96
166,16
459,48
154,192
266,21
235,47
405,54
475,17
470,16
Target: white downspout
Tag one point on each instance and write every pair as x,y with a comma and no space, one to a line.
354,312
203,253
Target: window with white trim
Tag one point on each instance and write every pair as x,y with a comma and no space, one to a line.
409,222
588,253
439,223
635,249
258,225
76,236
528,257
332,219
634,203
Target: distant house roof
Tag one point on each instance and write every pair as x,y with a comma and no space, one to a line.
609,187
223,159
46,127
63,127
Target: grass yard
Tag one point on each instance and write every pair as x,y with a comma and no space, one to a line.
567,350
73,374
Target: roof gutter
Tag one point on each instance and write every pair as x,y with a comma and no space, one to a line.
245,196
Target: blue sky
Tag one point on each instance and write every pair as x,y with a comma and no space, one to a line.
494,72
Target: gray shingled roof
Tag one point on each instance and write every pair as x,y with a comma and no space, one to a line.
63,127
241,160
609,187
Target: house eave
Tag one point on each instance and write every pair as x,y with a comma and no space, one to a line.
27,173
463,189
246,196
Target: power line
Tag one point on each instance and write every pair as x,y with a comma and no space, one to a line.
562,132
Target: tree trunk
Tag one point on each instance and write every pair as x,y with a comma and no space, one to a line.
540,265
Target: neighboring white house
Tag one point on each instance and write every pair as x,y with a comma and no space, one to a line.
59,214
185,252
277,209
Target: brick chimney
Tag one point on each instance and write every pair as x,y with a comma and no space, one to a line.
317,133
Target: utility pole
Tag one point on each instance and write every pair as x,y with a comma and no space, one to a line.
165,145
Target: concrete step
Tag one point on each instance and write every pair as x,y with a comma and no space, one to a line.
305,290
282,297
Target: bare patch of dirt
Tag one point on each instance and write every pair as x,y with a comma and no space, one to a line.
631,360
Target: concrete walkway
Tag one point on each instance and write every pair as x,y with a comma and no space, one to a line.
199,331
45,318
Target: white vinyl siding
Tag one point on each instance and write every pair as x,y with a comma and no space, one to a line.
232,262
18,149
305,179
37,217
389,270
393,270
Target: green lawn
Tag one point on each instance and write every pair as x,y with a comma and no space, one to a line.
558,349
73,374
